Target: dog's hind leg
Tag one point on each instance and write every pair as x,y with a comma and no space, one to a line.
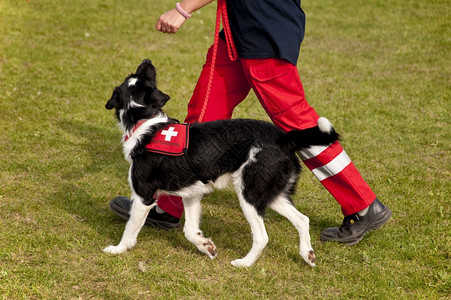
138,216
191,228
259,235
250,194
283,206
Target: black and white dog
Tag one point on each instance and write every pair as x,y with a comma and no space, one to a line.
258,158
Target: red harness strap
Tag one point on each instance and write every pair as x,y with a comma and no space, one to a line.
137,125
221,12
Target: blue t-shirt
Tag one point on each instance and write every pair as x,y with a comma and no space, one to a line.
267,28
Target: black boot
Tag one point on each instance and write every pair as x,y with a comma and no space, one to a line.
121,206
355,226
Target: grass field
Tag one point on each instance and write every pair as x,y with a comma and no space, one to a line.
380,70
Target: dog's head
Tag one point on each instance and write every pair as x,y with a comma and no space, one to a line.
138,96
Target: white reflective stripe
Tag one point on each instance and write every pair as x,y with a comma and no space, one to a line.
333,167
312,151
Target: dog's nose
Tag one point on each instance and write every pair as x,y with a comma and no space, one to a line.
147,61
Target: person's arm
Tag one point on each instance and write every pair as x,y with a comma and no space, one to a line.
172,20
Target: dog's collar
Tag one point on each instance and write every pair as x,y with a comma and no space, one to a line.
137,125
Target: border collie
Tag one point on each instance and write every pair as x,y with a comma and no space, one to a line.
255,156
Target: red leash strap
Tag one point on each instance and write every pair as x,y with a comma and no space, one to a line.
221,12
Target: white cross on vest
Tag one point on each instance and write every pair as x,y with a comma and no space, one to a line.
169,134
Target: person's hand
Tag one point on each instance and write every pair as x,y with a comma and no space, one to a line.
170,21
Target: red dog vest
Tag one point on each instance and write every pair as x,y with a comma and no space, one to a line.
171,140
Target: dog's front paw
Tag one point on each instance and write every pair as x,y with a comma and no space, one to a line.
241,263
212,251
209,248
115,249
309,258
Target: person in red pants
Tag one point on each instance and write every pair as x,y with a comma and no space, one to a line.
267,36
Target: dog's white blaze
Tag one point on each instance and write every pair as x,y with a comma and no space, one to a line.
132,81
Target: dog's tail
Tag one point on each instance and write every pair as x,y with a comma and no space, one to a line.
323,134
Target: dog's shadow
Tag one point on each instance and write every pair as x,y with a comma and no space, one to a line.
96,161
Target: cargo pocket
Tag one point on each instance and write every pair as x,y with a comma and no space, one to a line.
277,85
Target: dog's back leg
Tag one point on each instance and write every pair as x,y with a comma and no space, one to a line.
251,187
259,235
191,228
284,206
138,216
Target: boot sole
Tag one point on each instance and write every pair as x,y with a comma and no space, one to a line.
351,241
124,214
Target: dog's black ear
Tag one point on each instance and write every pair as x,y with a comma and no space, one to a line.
161,98
115,100
147,69
155,97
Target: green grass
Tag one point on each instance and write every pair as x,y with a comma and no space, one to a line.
380,70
